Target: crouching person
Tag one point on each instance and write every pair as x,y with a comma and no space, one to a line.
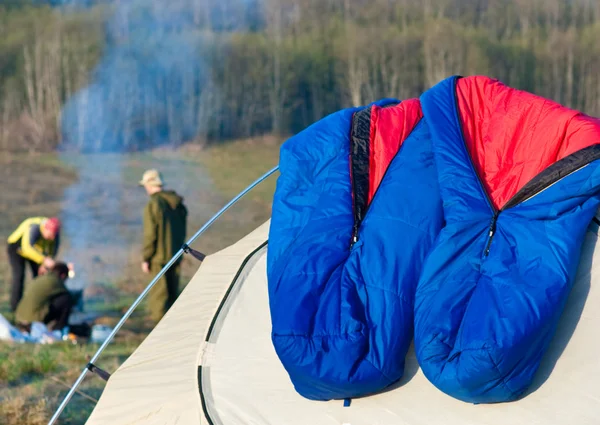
46,300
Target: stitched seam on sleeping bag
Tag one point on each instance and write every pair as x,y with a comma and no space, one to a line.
397,219
363,281
301,228
292,335
365,359
400,297
503,379
551,245
462,320
553,250
333,157
303,273
283,260
380,370
370,328
289,252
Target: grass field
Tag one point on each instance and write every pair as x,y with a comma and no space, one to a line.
100,203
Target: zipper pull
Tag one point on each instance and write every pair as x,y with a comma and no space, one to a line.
354,237
491,233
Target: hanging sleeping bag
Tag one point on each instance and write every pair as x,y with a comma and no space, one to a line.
519,178
355,212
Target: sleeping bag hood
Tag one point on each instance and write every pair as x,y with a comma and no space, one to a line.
456,219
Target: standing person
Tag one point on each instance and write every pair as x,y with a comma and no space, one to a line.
165,220
46,300
35,242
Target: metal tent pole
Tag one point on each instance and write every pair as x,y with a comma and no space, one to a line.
90,366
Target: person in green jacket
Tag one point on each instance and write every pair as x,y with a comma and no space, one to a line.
165,227
46,300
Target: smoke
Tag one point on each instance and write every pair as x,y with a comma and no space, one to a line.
92,219
152,86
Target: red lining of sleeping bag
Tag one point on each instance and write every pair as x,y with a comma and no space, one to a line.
389,129
512,135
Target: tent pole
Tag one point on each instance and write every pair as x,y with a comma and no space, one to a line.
149,287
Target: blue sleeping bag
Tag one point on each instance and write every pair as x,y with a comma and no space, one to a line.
355,212
462,213
519,178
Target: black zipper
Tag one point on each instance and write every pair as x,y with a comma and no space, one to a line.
357,210
509,204
491,233
357,219
354,237
358,222
358,214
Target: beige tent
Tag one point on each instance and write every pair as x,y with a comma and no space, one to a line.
211,361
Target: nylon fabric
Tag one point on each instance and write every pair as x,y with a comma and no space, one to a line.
388,130
484,321
513,135
342,318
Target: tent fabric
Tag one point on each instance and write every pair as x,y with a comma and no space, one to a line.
344,260
243,382
158,383
495,282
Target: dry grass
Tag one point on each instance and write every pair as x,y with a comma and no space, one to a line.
33,379
26,408
237,164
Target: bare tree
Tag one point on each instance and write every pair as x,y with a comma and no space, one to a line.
274,11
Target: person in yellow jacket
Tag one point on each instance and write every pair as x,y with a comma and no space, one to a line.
35,242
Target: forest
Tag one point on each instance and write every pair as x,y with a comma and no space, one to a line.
133,75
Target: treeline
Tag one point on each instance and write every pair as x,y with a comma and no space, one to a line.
132,75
